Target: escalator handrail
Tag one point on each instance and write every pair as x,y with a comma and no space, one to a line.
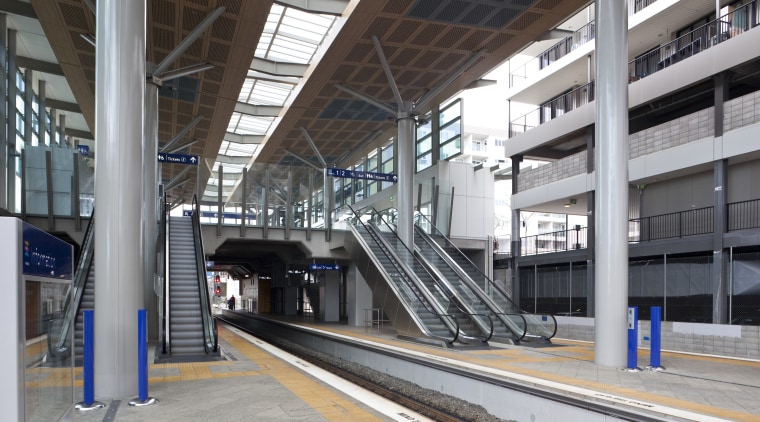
443,283
210,332
406,277
71,307
492,285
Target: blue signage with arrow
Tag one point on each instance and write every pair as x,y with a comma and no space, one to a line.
325,267
84,150
367,175
178,158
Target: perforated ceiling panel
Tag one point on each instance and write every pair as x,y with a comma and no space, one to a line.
341,109
492,14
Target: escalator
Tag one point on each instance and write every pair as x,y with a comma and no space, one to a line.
488,296
421,310
475,327
192,330
83,292
189,328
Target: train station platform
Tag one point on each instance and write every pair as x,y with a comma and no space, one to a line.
254,382
692,387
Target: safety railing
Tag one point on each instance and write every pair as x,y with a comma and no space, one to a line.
515,319
209,323
552,109
581,36
702,38
672,225
413,297
744,215
558,241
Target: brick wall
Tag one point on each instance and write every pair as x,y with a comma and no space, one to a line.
742,111
681,131
571,165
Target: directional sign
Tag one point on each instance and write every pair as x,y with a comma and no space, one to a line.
355,174
325,267
178,158
84,150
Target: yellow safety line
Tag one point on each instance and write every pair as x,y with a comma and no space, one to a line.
330,405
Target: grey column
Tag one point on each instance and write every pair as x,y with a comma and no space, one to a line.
4,112
62,130
53,128
405,155
219,198
119,91
10,169
515,240
42,111
28,110
611,275
435,135
719,276
244,201
591,226
150,203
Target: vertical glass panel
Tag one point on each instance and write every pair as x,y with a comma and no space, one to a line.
424,145
424,161
49,382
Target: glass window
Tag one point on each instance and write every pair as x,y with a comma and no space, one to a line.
451,149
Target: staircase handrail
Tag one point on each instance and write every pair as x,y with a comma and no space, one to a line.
71,307
447,319
489,285
210,332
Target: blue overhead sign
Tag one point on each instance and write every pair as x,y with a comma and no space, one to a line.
325,267
178,158
367,175
84,150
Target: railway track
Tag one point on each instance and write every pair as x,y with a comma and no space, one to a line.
384,389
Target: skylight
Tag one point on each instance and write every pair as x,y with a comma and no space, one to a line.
290,36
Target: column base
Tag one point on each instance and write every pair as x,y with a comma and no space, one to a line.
84,406
147,402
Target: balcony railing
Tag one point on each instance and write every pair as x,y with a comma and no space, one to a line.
559,241
694,42
744,215
672,225
704,37
552,109
583,35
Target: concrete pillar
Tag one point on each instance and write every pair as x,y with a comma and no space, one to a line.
611,275
42,111
150,209
10,169
359,296
405,155
329,296
719,276
4,111
591,226
515,233
28,110
119,92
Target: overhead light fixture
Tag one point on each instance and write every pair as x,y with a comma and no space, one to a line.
567,205
571,201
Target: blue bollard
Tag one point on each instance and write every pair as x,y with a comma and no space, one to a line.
142,354
88,373
633,337
656,336
142,361
88,365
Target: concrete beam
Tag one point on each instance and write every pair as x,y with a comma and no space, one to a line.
62,105
278,68
39,65
226,159
76,133
327,7
243,139
257,110
20,8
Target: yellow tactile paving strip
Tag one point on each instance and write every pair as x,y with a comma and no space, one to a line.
510,359
330,405
324,400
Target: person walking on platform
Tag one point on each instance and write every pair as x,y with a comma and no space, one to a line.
231,303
